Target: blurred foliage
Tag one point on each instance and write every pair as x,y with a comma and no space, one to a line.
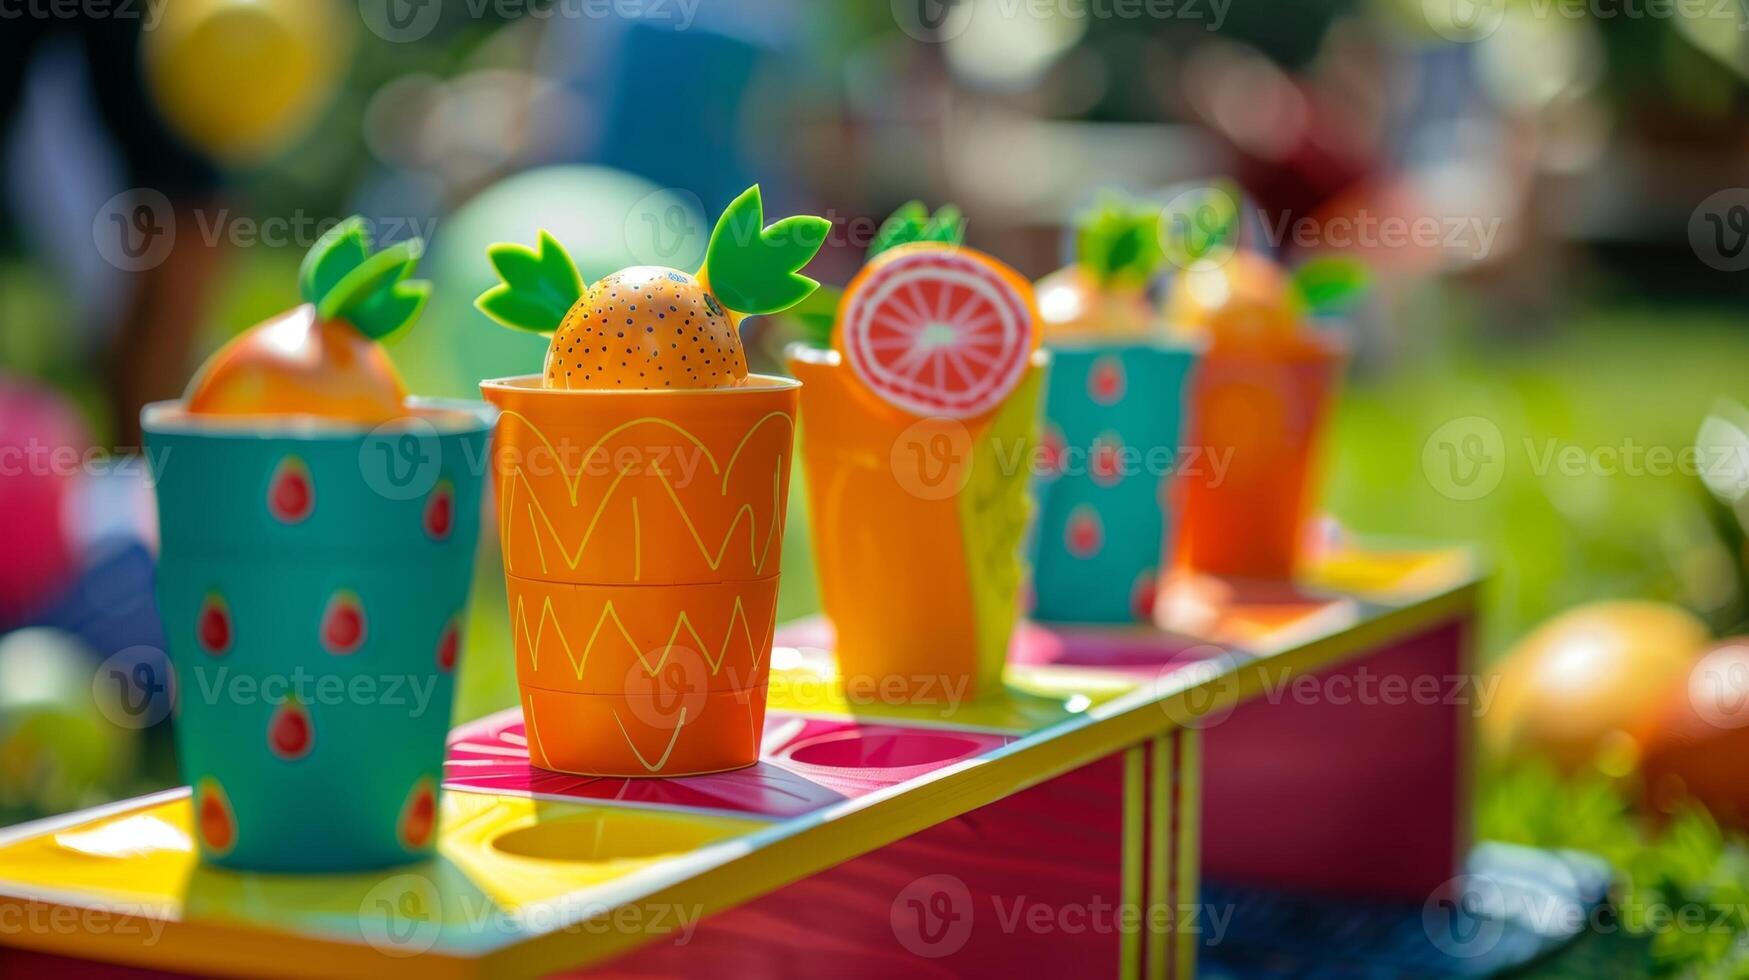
1681,899
1622,378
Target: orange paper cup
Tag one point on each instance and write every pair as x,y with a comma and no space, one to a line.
1257,418
642,533
916,526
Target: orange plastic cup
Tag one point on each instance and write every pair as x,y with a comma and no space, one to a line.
916,525
1256,418
642,533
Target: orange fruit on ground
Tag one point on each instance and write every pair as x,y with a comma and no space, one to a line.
1071,304
938,331
1695,743
1245,301
1578,685
295,364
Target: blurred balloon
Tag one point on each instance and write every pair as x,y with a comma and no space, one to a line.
242,79
1577,687
57,745
605,218
42,445
1695,743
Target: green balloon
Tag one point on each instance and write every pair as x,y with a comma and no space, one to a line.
607,219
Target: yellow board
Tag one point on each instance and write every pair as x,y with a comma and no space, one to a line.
531,886
508,868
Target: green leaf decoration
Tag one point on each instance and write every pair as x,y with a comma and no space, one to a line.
341,249
912,222
1120,242
1201,223
751,268
538,285
814,316
1332,285
346,280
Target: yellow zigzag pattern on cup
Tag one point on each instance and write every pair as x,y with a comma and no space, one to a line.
609,612
573,481
661,760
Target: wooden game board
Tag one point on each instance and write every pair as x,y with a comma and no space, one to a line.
1014,833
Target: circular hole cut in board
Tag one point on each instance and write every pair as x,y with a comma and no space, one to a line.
882,750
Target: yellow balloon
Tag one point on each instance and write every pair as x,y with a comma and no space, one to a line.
242,79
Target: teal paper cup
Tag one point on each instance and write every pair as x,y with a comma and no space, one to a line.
1113,438
313,580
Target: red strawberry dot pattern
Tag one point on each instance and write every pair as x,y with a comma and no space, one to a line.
419,816
1051,447
1105,459
290,735
449,646
343,626
212,626
214,819
1106,382
1142,596
1084,534
440,511
291,495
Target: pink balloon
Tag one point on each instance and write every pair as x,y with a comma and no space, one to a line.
42,447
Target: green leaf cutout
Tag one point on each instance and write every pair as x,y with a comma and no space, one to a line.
1332,285
345,280
538,285
1120,242
814,316
912,222
751,268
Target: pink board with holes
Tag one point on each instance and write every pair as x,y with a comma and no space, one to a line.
807,764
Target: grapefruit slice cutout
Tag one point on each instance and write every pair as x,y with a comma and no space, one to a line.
939,331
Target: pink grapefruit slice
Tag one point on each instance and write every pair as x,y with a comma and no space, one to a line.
938,331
